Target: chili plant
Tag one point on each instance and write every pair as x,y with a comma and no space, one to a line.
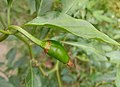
49,16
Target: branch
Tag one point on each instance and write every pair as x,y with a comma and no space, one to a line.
58,75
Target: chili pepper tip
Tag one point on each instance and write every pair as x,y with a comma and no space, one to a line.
70,63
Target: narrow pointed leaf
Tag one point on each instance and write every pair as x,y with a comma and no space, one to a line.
77,27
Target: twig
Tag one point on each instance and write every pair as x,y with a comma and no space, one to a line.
58,74
42,71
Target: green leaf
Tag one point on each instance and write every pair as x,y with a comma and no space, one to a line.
33,79
45,6
4,83
109,76
100,17
29,79
114,56
9,2
37,81
90,50
70,6
21,62
37,4
68,79
31,4
15,80
11,56
77,27
117,81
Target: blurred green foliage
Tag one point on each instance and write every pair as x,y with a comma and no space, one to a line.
96,63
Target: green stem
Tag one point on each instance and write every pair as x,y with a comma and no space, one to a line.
55,69
30,50
8,15
5,32
28,44
29,36
4,35
51,71
2,22
58,75
31,54
38,42
31,70
42,71
48,72
35,40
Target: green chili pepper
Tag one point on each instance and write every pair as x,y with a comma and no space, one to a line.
51,47
56,50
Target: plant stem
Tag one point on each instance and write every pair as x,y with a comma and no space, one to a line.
58,75
42,71
8,15
5,32
31,52
29,36
31,71
2,22
38,42
55,69
51,71
31,55
4,35
26,42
